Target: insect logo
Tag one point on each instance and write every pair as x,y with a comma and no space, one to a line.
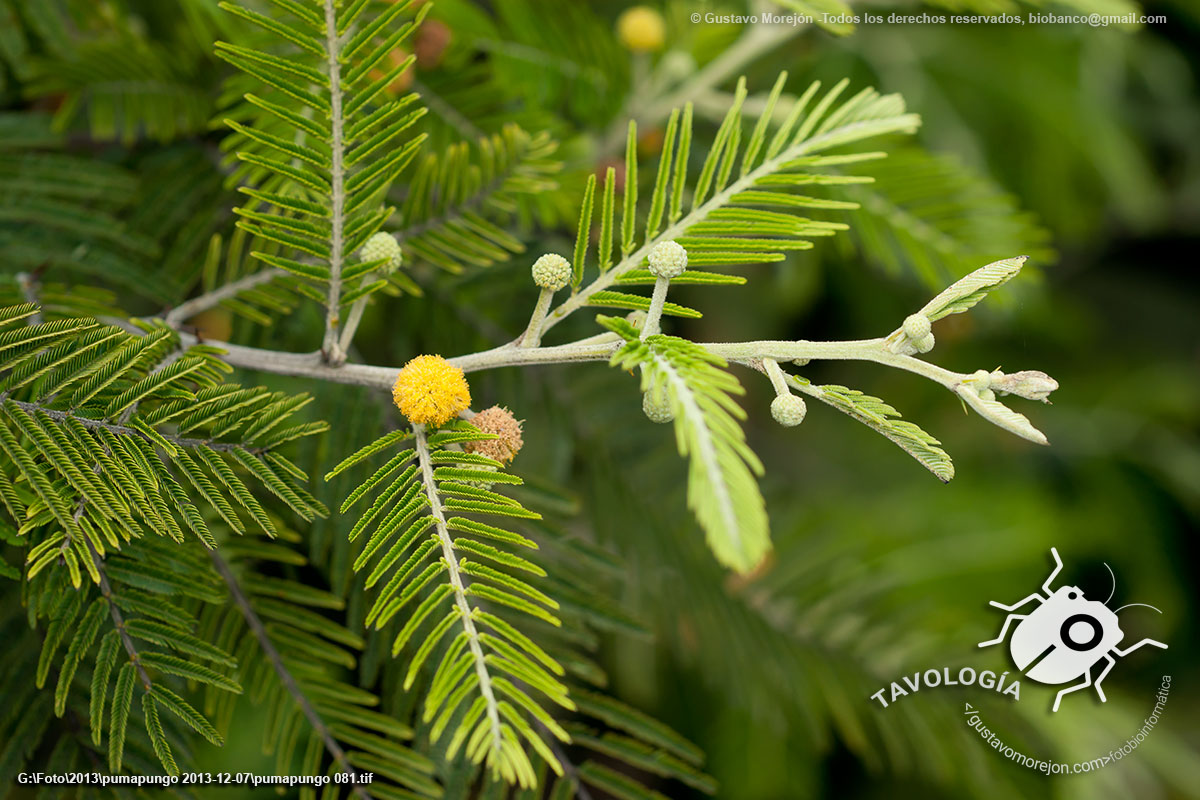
1066,636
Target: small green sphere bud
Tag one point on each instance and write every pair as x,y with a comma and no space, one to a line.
668,259
656,407
552,272
924,344
981,379
383,245
987,394
788,410
916,327
801,362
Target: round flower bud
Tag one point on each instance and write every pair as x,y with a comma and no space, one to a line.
383,245
924,344
981,379
788,410
668,259
916,326
431,391
676,65
987,394
641,29
503,424
552,272
656,407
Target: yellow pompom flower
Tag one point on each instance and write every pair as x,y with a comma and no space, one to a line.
641,29
430,391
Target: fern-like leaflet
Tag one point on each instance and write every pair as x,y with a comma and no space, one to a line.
108,436
479,694
455,200
756,216
722,490
324,145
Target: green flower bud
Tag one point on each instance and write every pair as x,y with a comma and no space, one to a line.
656,407
788,410
916,327
383,245
668,259
552,272
924,344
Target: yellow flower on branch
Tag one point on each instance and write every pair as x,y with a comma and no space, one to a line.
430,391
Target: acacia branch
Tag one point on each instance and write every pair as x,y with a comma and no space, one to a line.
680,227
118,620
310,365
285,677
190,308
121,430
337,197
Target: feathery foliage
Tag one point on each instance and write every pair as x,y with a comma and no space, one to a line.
318,177
168,572
479,693
722,490
746,204
456,205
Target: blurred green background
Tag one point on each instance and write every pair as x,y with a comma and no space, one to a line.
1076,144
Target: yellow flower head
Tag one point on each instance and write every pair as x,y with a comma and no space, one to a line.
430,391
641,29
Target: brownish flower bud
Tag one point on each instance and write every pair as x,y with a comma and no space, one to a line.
501,422
433,37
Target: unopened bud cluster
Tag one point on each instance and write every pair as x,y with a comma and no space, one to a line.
918,331
552,272
668,259
383,246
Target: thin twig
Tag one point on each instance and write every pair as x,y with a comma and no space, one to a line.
285,677
186,310
118,620
121,430
309,365
337,197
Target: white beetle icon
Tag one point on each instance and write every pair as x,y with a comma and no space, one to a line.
1066,636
